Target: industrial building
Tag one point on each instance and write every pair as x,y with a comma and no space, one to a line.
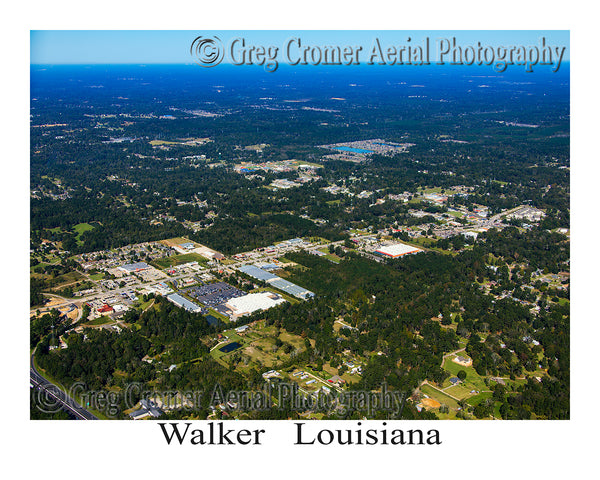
291,288
397,250
183,303
277,282
253,302
257,273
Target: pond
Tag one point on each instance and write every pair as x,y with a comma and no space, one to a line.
230,347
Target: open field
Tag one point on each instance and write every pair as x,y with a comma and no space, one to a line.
175,260
258,347
80,229
456,214
163,142
66,279
474,381
170,242
103,320
331,371
477,399
330,256
439,396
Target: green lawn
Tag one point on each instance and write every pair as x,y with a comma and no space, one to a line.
330,256
480,397
456,214
80,229
145,305
473,381
432,190
439,396
67,278
103,320
175,260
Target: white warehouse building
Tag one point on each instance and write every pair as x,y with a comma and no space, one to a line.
253,302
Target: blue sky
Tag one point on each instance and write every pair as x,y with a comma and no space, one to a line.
164,46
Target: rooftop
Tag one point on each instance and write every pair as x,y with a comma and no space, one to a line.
253,302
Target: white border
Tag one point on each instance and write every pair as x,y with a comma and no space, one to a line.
486,449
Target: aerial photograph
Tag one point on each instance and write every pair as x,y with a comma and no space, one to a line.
300,225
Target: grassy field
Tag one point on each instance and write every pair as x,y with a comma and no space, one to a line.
175,260
66,279
331,371
145,305
432,190
473,381
477,399
80,229
456,214
103,320
330,256
439,396
163,142
258,347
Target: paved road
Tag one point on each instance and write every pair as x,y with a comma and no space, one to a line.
56,394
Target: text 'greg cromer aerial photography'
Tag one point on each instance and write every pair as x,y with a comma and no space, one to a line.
351,225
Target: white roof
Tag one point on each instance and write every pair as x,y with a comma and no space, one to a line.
397,249
253,302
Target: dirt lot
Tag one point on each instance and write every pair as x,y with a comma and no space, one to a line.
430,403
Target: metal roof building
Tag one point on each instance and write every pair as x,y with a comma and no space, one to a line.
277,282
257,273
397,250
183,303
253,302
291,288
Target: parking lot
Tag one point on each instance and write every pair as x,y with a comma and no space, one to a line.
214,294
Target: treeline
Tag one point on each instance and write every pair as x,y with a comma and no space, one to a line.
95,356
233,235
172,330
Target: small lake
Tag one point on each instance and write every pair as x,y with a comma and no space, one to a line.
230,347
352,149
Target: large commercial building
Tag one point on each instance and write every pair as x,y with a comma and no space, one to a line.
253,302
397,250
277,282
257,273
134,267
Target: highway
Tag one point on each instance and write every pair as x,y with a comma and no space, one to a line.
57,395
